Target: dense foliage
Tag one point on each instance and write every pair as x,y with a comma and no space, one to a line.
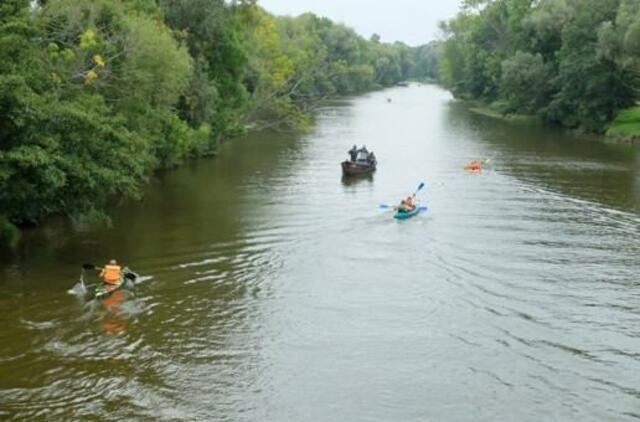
572,62
96,94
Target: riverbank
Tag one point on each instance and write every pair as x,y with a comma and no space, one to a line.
625,129
579,81
487,110
205,82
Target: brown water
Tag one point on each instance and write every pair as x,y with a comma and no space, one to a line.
275,291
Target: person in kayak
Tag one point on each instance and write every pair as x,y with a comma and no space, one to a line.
473,165
407,204
111,273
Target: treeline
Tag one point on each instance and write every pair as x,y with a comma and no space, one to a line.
96,94
571,62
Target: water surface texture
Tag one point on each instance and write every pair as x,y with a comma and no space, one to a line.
276,291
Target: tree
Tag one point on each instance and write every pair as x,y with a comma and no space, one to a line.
216,95
524,83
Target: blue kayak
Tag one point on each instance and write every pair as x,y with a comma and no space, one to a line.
403,215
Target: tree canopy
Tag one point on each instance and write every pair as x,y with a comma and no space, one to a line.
97,94
572,62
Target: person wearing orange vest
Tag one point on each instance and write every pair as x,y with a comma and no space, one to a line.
407,204
111,273
473,165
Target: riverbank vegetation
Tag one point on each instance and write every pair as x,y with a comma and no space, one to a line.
571,62
97,94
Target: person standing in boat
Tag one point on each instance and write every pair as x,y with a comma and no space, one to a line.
111,273
353,153
363,155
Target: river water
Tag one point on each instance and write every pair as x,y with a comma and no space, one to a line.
273,290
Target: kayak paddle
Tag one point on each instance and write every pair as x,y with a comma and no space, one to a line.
387,206
420,186
80,287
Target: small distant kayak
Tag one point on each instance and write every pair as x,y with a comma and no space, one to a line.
474,166
403,215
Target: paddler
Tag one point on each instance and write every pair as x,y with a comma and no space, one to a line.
353,153
407,204
473,165
111,273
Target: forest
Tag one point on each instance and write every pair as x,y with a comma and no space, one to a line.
96,95
575,63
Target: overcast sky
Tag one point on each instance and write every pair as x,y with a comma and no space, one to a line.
411,21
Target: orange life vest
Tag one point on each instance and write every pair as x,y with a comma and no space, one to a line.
473,165
112,273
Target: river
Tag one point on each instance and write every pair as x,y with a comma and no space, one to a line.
273,290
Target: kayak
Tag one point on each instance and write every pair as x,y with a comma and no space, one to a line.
127,280
403,215
473,166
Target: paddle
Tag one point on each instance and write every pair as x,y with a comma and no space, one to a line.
80,287
422,208
420,186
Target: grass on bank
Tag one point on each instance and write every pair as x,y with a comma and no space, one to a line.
626,123
496,111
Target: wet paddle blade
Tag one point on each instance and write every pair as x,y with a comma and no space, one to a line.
79,289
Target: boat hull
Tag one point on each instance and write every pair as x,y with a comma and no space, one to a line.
402,215
352,169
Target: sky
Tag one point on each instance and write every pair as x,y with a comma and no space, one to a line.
413,22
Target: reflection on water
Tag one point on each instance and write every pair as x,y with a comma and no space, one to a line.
113,320
277,291
355,180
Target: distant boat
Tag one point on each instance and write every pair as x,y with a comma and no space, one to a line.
403,84
365,163
356,168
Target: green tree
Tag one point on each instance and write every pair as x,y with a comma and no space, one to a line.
524,83
216,95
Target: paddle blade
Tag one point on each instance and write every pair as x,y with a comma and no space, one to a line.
423,208
420,186
385,206
79,289
89,266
